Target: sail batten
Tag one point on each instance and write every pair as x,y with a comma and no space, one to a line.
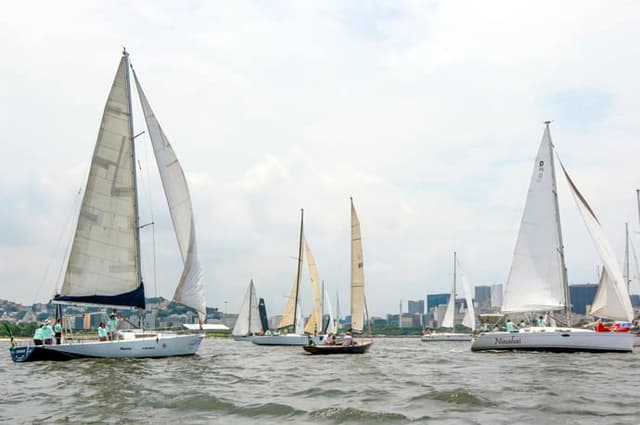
190,288
103,264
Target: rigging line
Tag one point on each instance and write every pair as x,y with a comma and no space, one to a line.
64,230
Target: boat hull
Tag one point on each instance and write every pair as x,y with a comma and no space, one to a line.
160,345
359,348
443,337
289,339
554,340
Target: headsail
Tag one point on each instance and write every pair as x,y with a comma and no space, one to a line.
314,324
469,319
357,274
248,322
190,288
612,299
103,263
536,280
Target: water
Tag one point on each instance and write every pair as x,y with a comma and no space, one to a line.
399,381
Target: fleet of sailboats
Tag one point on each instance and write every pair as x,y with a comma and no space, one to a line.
538,278
104,267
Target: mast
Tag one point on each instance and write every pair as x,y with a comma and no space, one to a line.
250,299
638,200
298,275
133,169
453,293
565,281
627,277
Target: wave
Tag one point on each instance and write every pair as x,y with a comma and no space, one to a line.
349,414
457,396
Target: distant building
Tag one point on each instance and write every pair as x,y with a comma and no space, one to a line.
635,300
496,296
416,307
482,296
393,320
582,296
434,300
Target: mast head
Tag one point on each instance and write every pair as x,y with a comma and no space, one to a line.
124,51
547,123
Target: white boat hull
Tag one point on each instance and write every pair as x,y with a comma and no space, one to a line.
133,346
288,339
444,336
554,339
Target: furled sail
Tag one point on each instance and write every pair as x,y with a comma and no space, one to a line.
103,261
314,324
248,322
190,288
535,281
612,299
357,275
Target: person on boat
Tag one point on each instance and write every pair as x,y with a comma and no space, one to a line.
57,330
510,326
328,339
112,326
348,339
102,332
37,335
522,324
540,322
47,333
601,327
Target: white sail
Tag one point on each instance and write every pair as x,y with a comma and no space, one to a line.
357,275
248,322
103,257
612,299
469,319
314,324
190,289
535,281
333,327
447,321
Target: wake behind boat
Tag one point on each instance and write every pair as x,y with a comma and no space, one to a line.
104,266
538,281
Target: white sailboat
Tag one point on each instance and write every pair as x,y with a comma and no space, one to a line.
248,323
291,330
104,267
449,315
538,280
358,299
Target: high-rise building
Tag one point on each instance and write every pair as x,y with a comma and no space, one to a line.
434,300
582,296
416,307
483,296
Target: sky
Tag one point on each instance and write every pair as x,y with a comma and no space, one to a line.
427,113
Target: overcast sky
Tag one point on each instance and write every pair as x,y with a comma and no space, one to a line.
428,113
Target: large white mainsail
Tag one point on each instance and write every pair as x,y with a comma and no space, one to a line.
103,265
536,281
314,324
612,299
248,322
357,275
190,289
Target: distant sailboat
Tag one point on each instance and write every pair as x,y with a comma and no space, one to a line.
449,315
248,323
291,329
358,299
538,280
104,267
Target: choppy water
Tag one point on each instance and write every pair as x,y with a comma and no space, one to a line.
399,381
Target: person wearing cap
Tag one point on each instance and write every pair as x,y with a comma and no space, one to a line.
112,326
47,333
57,329
348,339
102,332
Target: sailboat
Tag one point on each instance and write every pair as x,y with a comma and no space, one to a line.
538,279
248,323
449,315
291,330
104,267
358,300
